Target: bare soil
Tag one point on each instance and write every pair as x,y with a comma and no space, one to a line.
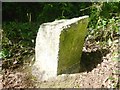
99,69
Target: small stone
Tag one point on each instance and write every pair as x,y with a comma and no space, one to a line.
11,75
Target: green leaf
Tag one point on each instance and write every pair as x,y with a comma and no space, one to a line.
4,53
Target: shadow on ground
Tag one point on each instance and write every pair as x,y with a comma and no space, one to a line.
89,60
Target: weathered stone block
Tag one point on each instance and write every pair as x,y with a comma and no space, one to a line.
59,47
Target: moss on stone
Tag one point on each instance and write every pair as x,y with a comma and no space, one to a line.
71,44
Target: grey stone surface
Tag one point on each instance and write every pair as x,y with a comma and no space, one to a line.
59,47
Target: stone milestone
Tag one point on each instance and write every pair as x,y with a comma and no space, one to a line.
59,47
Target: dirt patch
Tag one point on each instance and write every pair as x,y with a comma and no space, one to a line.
99,69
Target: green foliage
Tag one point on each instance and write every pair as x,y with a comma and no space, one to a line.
18,41
4,53
110,9
43,12
22,33
106,29
104,21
